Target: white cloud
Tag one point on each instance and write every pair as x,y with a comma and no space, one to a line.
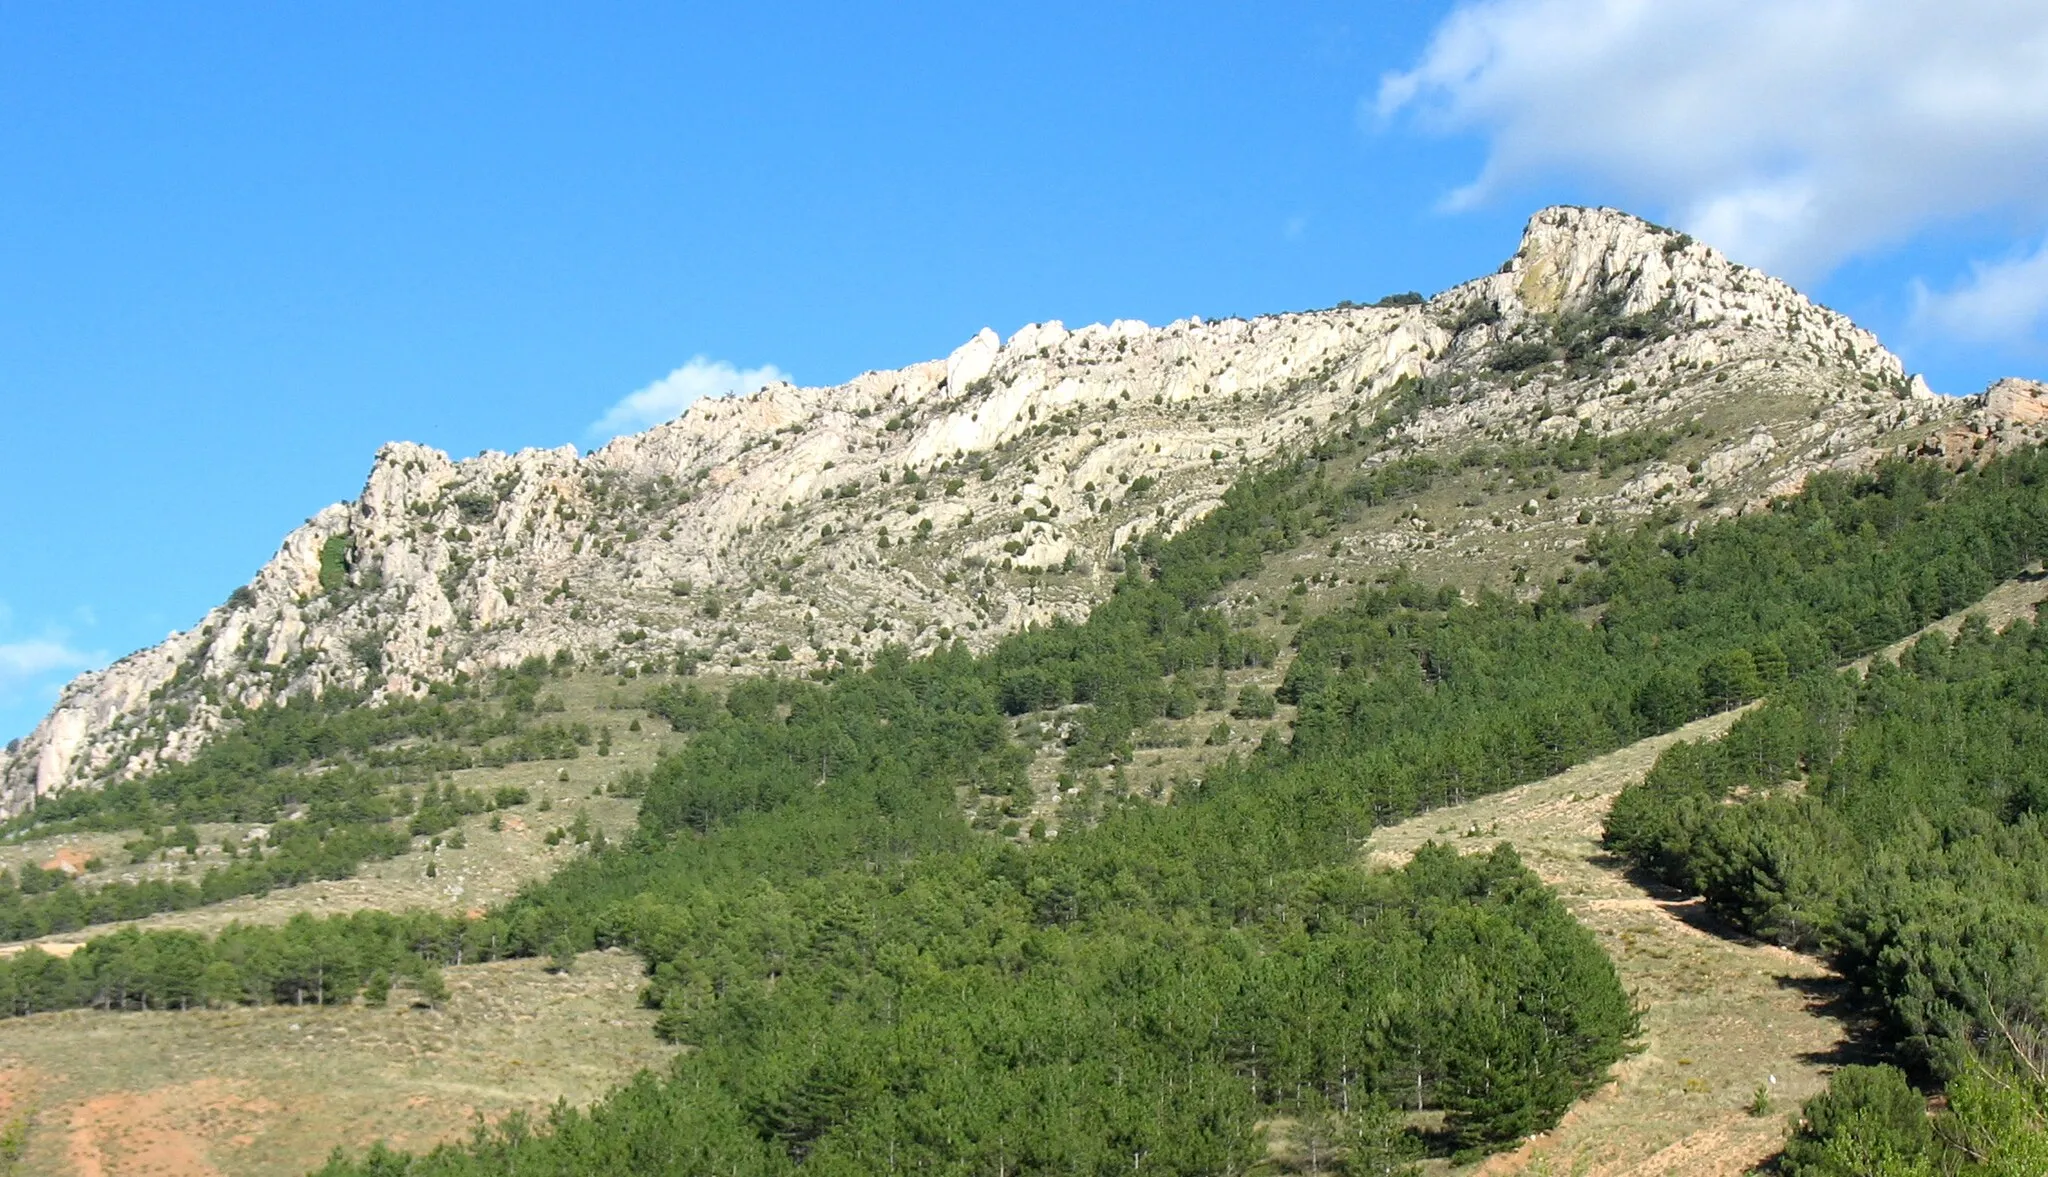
1792,133
2002,300
23,662
33,670
667,397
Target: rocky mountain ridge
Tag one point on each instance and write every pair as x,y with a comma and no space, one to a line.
999,487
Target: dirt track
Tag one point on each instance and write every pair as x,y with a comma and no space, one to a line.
1723,1013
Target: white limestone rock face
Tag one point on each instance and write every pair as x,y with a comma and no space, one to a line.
972,360
992,489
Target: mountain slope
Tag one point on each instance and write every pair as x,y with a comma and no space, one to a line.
997,488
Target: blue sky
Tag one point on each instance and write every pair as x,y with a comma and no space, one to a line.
242,245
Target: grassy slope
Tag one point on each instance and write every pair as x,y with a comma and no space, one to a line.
488,870
269,1091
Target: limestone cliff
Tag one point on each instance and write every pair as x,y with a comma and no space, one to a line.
997,487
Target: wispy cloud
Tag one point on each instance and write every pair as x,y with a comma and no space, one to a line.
2001,301
1792,133
34,669
31,674
667,397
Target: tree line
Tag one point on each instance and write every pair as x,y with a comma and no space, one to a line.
306,961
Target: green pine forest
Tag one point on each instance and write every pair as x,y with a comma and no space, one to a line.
868,983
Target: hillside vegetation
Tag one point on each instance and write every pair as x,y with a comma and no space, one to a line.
305,791
986,898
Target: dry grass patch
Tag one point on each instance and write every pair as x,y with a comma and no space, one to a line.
271,1090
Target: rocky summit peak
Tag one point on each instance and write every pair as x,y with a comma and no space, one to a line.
791,529
1576,260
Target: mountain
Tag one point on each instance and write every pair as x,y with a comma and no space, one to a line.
999,487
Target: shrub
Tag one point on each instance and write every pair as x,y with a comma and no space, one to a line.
1253,702
1518,354
334,560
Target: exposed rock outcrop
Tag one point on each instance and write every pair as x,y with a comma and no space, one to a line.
2011,412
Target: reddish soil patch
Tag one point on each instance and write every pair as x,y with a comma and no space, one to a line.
70,860
165,1132
18,1086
